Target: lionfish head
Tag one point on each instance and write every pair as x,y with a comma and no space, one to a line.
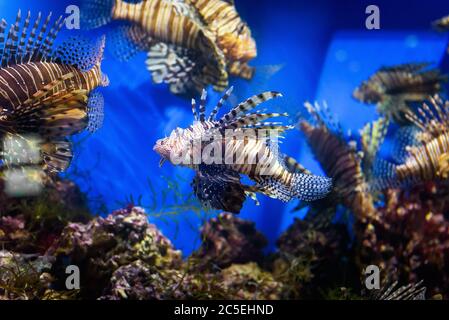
167,146
368,92
239,47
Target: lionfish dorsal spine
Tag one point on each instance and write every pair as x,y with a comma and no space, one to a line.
202,109
247,105
220,103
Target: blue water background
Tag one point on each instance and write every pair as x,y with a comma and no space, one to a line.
323,51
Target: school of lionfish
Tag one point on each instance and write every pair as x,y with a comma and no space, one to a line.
49,93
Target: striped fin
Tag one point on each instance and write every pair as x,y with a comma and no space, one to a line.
57,155
202,110
195,114
3,25
252,119
432,119
22,45
247,105
37,54
39,42
323,117
220,103
49,39
178,67
59,115
276,126
293,166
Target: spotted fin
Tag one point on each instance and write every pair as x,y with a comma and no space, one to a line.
219,188
96,13
384,175
21,45
305,187
126,41
405,137
80,52
95,111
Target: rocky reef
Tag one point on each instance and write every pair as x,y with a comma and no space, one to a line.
124,256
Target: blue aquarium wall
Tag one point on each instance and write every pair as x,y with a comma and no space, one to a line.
308,50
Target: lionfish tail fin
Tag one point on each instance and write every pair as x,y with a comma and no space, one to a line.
309,187
96,13
305,187
81,53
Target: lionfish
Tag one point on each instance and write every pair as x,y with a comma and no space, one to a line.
442,24
425,148
190,44
349,169
222,150
46,92
394,88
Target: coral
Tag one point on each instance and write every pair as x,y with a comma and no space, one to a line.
410,237
25,277
227,239
248,281
103,245
31,224
314,256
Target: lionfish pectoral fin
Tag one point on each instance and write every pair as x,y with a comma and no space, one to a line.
126,41
96,13
384,175
57,155
222,190
406,136
172,65
80,52
95,111
161,162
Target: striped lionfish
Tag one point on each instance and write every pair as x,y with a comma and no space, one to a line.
340,160
426,148
442,24
392,89
235,137
47,92
190,43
